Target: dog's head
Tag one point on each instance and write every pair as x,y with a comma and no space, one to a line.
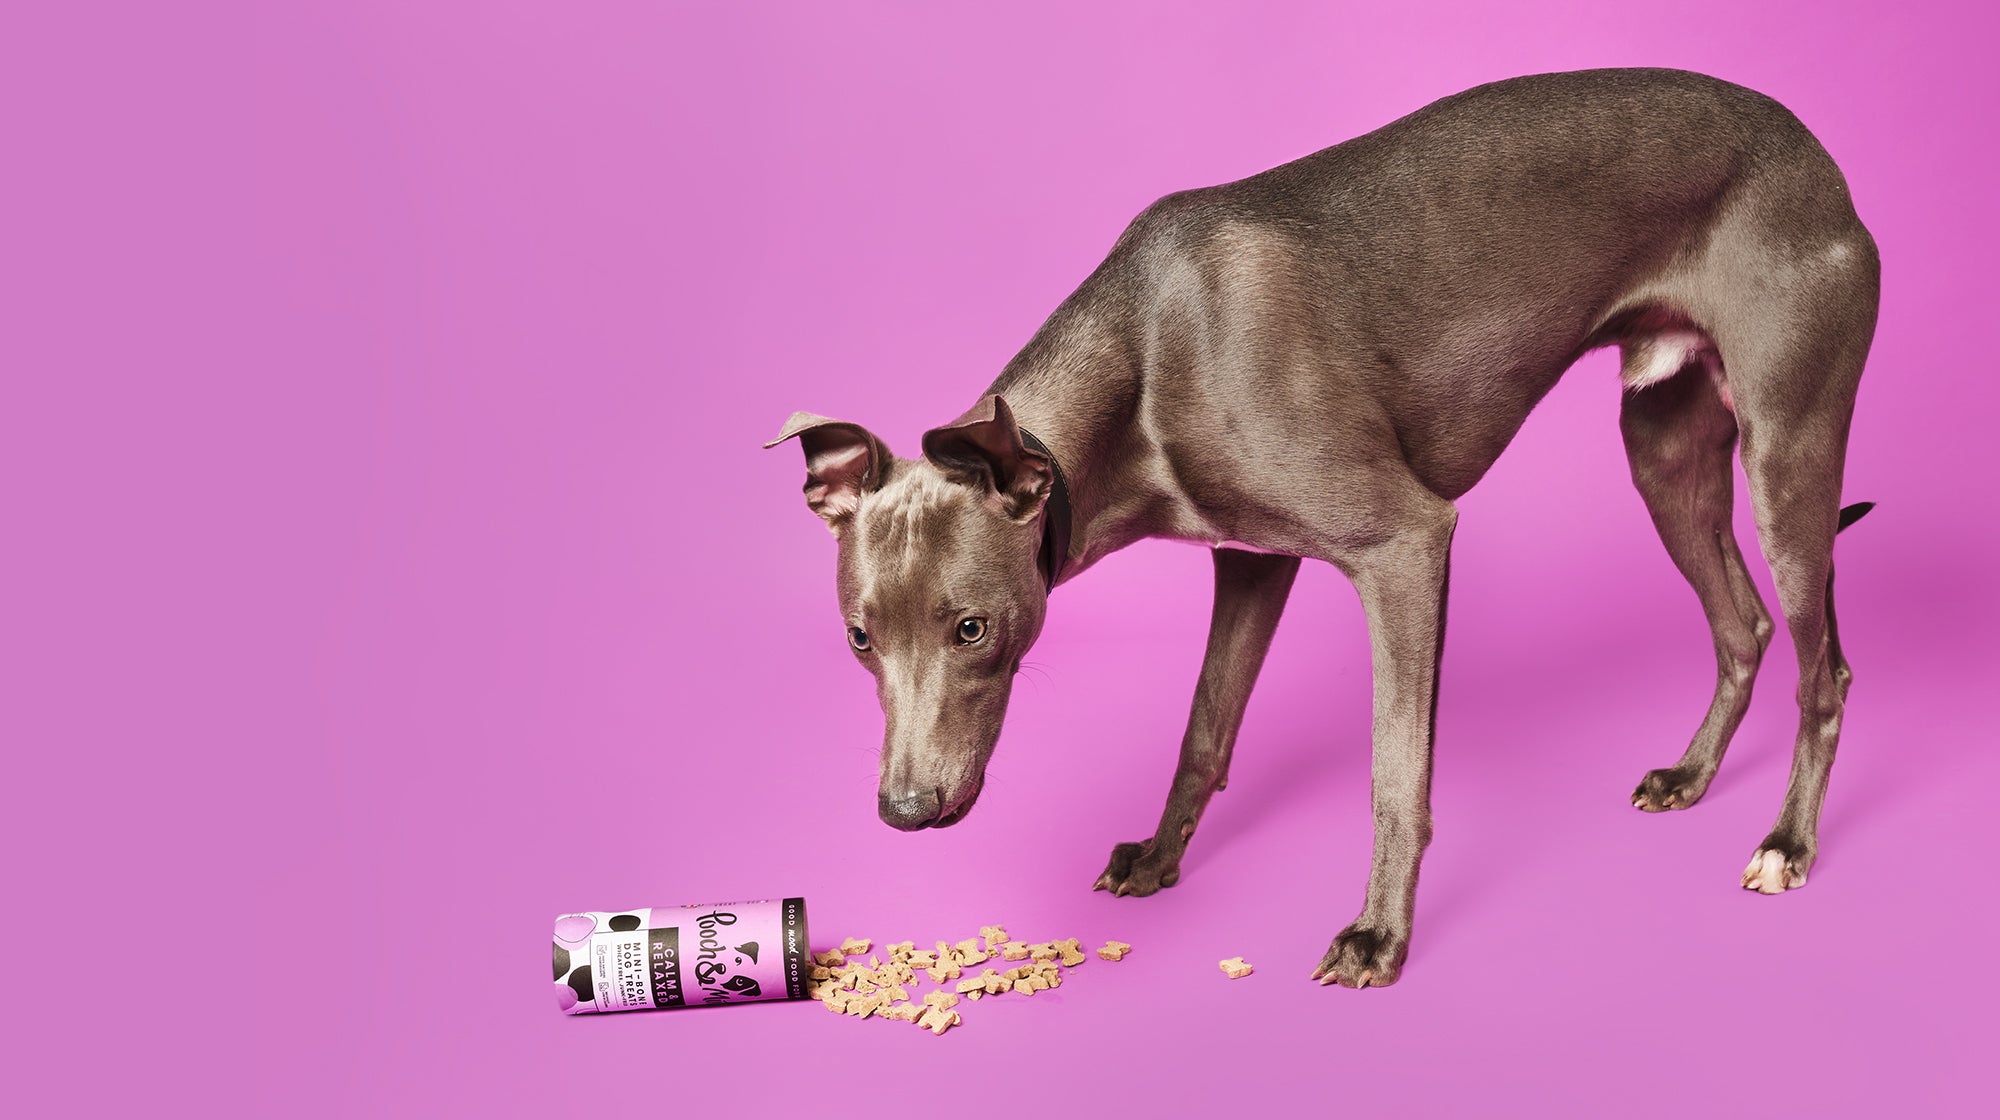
940,591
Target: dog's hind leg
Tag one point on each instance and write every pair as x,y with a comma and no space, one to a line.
1250,593
1795,384
1681,438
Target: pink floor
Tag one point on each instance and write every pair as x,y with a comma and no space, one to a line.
436,585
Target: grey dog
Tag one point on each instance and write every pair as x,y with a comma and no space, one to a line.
1316,361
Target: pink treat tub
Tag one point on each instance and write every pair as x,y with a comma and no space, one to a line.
684,956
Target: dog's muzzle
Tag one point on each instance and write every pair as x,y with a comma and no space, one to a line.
909,813
926,809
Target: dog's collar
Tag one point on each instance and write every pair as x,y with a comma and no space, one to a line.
1055,516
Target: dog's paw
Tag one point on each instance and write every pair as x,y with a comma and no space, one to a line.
1139,869
1363,956
1776,868
1672,788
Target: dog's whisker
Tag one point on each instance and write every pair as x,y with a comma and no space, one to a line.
1036,674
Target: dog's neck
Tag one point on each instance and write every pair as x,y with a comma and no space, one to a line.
1077,387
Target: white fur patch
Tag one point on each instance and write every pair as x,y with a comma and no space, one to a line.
1241,547
1769,874
1651,359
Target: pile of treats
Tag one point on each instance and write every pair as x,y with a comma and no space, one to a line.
882,988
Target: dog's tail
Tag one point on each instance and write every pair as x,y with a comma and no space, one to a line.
1843,675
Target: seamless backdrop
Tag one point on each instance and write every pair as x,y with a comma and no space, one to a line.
393,566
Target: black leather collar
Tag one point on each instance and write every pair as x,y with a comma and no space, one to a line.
1055,516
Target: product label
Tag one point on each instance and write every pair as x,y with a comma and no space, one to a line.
664,958
691,956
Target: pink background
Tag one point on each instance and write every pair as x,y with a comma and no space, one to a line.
392,567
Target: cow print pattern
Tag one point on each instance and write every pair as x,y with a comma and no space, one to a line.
574,983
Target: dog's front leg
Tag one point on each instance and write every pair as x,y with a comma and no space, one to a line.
1402,583
1250,593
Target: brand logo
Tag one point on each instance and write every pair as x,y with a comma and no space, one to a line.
713,961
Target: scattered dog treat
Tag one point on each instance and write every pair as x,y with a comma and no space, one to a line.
937,1020
862,988
1234,968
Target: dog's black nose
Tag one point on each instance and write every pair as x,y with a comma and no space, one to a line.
909,813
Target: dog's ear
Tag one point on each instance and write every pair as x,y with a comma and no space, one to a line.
984,448
843,461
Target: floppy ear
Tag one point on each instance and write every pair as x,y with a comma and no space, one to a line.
843,461
984,448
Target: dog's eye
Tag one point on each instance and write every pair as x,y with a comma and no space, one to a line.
971,630
858,638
